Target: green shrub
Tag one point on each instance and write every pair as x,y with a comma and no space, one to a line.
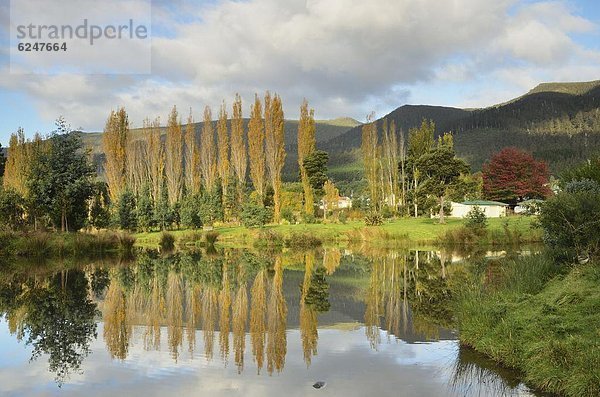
12,209
309,218
571,221
476,220
255,215
288,214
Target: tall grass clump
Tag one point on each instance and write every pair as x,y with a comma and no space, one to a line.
211,237
268,239
37,244
539,317
167,241
302,240
126,242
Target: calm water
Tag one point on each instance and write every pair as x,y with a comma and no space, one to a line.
241,323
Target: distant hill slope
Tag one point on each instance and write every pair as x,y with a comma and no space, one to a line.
558,122
325,130
405,117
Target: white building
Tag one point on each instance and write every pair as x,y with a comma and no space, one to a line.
491,209
343,203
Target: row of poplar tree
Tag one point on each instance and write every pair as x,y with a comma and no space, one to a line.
158,177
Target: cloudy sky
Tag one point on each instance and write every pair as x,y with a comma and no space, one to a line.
347,57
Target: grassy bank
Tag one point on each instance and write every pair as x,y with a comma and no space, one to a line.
44,245
538,317
417,231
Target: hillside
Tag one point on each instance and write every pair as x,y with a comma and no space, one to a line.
325,130
557,122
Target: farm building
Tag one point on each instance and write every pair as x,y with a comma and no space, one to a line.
491,209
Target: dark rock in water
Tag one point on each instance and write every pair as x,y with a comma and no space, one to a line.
319,384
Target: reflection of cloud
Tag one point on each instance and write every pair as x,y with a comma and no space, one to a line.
345,361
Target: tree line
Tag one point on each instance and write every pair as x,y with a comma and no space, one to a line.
227,173
419,174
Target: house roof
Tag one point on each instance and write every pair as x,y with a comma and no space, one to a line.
484,203
531,201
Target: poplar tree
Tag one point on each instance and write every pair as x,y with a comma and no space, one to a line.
208,156
370,149
190,155
115,142
239,157
137,167
331,197
156,158
174,157
15,174
223,150
256,148
390,164
306,146
274,148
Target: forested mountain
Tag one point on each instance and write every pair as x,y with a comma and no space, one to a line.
557,122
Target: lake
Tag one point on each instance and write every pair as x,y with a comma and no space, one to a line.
240,322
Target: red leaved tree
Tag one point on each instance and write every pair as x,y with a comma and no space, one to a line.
513,175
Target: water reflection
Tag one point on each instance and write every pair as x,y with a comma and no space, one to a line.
237,303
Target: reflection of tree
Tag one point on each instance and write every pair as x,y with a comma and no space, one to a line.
210,299
193,309
174,312
240,316
117,329
317,295
60,321
258,307
224,314
276,322
331,259
308,314
373,304
154,315
431,307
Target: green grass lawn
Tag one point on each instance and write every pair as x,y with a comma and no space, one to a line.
415,230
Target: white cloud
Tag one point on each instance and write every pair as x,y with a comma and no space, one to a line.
347,57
